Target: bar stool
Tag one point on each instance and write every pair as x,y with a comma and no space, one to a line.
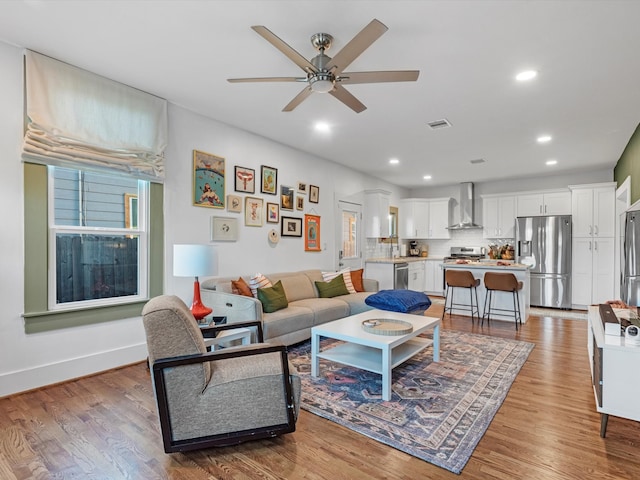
502,282
461,279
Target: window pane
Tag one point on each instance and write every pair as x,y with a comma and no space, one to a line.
93,266
89,199
349,234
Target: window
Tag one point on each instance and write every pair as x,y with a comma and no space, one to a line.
98,238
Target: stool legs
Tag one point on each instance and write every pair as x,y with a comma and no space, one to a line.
473,307
517,316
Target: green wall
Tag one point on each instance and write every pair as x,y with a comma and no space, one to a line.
629,165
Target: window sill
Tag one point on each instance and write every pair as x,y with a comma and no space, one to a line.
37,322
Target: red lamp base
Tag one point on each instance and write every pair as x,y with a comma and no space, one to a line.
198,309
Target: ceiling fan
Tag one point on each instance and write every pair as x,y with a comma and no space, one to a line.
325,74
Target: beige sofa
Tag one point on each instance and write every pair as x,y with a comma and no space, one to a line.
292,324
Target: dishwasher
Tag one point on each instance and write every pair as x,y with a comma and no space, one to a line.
400,276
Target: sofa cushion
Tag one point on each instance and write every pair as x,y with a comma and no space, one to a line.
287,320
325,309
403,301
272,298
356,279
259,281
296,285
332,288
356,302
240,287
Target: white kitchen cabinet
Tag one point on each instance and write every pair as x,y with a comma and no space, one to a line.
543,203
433,277
592,272
416,275
498,216
425,218
376,213
593,210
593,230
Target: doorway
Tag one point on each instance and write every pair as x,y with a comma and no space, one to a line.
349,251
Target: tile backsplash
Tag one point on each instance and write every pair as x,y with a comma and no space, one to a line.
437,248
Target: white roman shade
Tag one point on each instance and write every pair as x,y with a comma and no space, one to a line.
78,119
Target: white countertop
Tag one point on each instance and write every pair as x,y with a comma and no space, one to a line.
486,264
401,259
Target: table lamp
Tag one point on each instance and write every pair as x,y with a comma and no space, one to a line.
195,261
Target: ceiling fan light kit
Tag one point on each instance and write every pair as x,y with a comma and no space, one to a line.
325,74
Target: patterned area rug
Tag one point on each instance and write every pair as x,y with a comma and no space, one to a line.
438,411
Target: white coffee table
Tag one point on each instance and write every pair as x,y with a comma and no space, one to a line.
372,352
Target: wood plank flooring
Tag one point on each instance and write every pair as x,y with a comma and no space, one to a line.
105,427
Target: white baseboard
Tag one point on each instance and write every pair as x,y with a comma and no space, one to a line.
40,376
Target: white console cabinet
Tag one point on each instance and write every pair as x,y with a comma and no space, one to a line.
614,368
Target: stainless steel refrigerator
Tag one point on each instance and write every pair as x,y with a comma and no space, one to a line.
545,242
630,290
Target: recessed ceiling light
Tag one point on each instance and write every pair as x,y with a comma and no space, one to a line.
551,162
394,161
544,138
526,75
322,127
427,177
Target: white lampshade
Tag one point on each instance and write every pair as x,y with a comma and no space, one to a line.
194,261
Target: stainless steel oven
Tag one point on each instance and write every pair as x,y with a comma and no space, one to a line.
401,276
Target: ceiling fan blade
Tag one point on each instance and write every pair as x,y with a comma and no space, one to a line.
267,79
297,100
277,42
349,100
379,77
356,46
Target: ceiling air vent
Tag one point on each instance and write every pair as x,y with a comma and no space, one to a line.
438,124
476,161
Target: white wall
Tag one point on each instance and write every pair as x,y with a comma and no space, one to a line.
31,361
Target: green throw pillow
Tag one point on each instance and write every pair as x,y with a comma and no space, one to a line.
333,288
273,298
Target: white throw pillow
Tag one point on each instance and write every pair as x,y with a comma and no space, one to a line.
346,274
258,281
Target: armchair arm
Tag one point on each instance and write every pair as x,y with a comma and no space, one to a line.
212,330
237,308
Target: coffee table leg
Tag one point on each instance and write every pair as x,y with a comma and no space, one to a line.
315,349
436,343
386,374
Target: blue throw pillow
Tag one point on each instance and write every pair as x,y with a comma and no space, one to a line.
403,301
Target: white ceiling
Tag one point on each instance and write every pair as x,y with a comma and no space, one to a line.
586,95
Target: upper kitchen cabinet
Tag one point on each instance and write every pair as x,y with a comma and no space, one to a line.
543,203
425,218
593,209
376,213
498,216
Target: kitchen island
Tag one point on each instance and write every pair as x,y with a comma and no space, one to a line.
500,299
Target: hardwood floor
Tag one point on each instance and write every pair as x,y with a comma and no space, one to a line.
106,427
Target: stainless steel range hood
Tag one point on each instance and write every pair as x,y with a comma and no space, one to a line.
466,208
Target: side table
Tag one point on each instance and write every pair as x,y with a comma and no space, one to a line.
225,336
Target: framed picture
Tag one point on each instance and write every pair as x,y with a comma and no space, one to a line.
234,203
208,180
302,188
269,180
291,227
286,197
273,213
253,207
299,202
245,179
312,233
314,194
224,229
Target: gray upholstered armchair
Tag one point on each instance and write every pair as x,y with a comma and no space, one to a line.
219,398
